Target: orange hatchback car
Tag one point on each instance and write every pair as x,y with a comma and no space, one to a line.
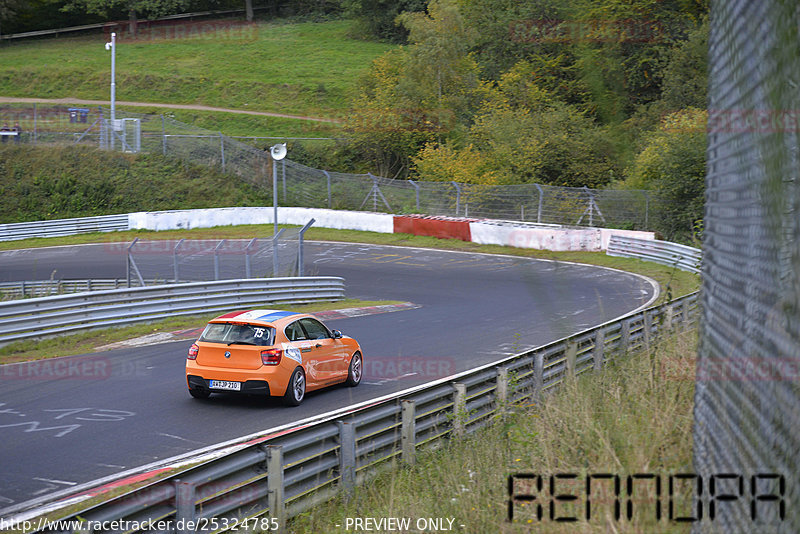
271,353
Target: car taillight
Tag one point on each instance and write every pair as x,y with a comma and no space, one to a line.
271,356
193,350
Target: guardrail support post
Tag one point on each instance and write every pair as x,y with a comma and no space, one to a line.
669,311
685,312
275,485
538,376
624,336
459,408
347,456
647,326
572,352
501,389
599,349
184,507
408,431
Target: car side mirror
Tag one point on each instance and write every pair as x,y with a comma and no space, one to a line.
336,334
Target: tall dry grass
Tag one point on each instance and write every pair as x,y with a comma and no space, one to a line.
633,417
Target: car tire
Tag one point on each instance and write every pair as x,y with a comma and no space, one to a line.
296,389
199,393
355,371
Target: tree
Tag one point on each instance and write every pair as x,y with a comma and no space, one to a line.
673,166
377,17
149,8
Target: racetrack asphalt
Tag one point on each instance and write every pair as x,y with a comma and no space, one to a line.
129,407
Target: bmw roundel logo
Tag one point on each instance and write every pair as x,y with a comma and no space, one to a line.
227,354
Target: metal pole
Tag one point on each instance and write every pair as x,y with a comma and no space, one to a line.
300,259
328,177
175,260
163,137
128,266
222,150
247,257
113,85
34,123
216,259
275,198
416,191
458,197
283,172
541,197
275,252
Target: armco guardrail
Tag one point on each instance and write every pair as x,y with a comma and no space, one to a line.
46,288
283,476
31,318
681,256
62,227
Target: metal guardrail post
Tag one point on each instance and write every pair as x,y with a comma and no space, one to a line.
647,326
300,257
216,258
416,191
572,352
247,273
328,179
538,376
459,408
685,312
184,507
598,354
275,252
501,388
668,310
176,277
408,431
347,456
625,336
277,508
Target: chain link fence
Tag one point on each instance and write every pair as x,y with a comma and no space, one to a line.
747,398
304,186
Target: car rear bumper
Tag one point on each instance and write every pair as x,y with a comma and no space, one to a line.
263,381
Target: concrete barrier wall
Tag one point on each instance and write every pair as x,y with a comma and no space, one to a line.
520,235
206,218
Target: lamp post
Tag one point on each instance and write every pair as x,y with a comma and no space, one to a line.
278,152
113,47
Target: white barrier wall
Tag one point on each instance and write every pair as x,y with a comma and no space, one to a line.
520,235
557,239
206,218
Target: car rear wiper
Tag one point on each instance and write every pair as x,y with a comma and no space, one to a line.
241,343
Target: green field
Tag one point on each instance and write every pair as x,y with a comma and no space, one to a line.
307,69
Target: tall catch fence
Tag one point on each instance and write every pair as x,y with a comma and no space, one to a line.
302,186
747,400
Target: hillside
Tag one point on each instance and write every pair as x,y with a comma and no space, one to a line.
308,69
53,182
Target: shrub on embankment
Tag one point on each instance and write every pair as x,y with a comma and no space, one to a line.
54,182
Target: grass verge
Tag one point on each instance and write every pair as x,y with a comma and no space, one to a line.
635,416
87,342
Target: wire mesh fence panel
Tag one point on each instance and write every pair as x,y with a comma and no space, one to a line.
747,422
168,261
303,186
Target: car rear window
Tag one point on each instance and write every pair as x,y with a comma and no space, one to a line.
241,334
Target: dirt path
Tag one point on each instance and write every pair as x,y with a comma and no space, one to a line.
196,107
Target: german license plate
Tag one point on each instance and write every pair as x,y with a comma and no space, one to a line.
224,384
